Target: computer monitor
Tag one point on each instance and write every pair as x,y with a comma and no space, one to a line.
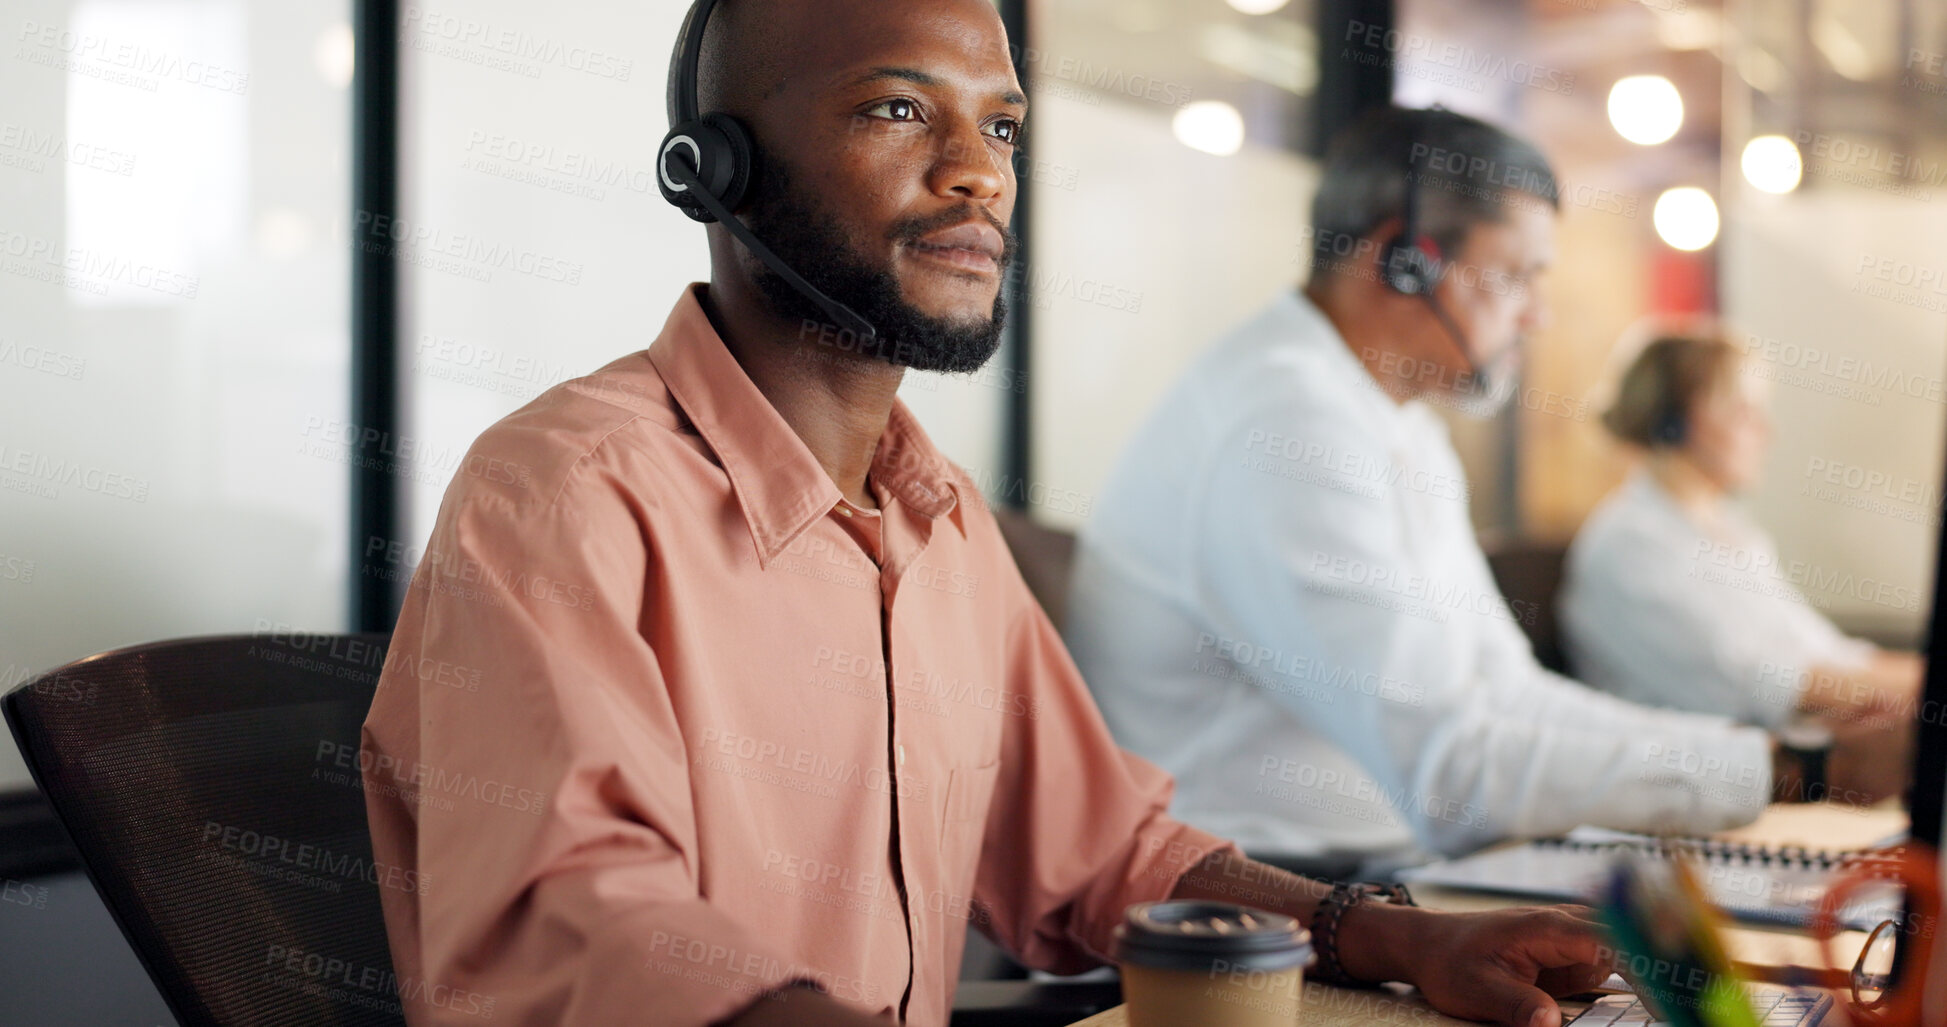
1928,790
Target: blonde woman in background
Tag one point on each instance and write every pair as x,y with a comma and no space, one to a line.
1675,597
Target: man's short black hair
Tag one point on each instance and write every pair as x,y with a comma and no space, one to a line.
739,63
1467,172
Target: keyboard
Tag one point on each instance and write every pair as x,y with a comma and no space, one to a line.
1775,1007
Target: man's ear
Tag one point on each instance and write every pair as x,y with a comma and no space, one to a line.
1381,235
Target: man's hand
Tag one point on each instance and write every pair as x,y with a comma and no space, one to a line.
1887,691
1869,762
1505,966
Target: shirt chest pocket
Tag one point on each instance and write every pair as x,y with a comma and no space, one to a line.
968,791
963,820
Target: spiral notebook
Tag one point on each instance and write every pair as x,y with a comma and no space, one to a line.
1756,883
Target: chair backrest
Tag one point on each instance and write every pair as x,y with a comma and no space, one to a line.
1046,557
1530,575
212,789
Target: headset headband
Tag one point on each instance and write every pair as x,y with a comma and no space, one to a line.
683,86
1409,228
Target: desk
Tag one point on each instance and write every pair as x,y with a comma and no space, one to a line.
1814,826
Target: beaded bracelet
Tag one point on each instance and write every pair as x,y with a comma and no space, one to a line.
1325,928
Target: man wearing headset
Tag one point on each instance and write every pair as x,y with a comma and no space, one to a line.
1280,599
764,716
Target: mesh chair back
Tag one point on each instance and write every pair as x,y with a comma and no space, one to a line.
213,791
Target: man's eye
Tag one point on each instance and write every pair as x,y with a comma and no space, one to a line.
1007,130
896,110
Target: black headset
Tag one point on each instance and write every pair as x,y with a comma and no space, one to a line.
1409,269
1406,265
706,165
1670,427
1670,424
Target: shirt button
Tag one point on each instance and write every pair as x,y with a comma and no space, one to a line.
902,755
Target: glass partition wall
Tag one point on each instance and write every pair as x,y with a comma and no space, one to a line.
1169,146
174,349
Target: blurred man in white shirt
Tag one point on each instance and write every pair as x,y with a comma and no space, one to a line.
1280,598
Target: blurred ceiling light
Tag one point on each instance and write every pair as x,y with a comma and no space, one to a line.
1773,164
1686,218
1282,57
1259,6
1645,109
336,54
1212,126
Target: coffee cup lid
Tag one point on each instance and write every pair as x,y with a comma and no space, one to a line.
1194,935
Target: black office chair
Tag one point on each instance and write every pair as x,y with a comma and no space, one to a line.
190,776
1529,573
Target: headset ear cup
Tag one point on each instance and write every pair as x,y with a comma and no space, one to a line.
1392,266
683,142
720,149
739,157
1670,428
1404,268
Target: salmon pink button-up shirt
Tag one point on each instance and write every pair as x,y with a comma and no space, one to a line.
666,724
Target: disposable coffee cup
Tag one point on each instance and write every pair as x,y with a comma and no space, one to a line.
1211,964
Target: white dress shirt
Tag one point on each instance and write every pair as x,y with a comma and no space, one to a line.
1660,609
1280,600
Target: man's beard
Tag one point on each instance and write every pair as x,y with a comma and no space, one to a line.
1490,386
809,240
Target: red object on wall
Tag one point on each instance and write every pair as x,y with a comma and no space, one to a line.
1683,284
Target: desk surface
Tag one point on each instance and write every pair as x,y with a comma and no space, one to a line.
1814,826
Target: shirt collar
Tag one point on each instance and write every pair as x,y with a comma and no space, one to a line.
780,486
1310,323
1642,489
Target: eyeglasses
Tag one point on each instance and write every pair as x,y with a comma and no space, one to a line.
1872,972
1877,997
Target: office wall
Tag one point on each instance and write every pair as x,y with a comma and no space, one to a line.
1840,292
1148,255
172,313
536,156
